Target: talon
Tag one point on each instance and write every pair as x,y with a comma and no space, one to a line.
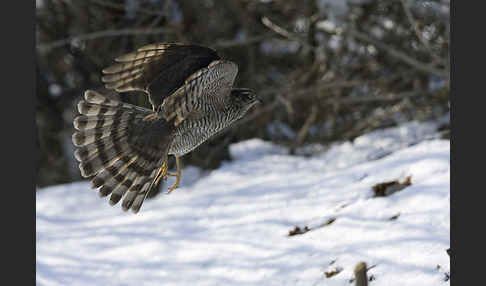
174,186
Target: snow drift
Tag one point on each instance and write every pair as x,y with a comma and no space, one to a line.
231,226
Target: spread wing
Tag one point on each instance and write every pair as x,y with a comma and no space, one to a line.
157,69
206,89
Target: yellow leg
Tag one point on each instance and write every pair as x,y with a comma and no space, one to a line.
178,175
162,173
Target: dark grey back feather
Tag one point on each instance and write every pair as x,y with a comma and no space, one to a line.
157,69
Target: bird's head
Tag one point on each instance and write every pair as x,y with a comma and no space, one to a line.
244,98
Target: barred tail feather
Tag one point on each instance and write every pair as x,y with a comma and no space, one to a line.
138,192
118,148
120,190
89,151
140,197
82,138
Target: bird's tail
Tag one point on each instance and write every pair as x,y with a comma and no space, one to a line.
121,146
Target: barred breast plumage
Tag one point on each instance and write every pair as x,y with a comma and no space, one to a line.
190,134
207,104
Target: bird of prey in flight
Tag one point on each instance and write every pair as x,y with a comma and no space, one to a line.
124,148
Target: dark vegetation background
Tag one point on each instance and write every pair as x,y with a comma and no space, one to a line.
327,70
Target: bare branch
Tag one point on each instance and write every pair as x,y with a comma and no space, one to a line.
242,42
277,29
123,7
286,103
286,34
381,98
102,34
295,92
307,124
427,68
414,24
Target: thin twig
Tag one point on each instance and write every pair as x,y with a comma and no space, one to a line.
286,103
307,124
286,34
414,24
123,7
319,87
277,29
241,42
102,34
428,68
380,98
295,93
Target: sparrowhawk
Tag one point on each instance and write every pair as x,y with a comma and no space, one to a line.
124,148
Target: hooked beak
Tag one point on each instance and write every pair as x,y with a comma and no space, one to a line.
255,98
250,94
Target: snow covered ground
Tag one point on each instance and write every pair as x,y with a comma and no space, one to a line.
231,226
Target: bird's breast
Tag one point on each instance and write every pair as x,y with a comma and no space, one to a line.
193,132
